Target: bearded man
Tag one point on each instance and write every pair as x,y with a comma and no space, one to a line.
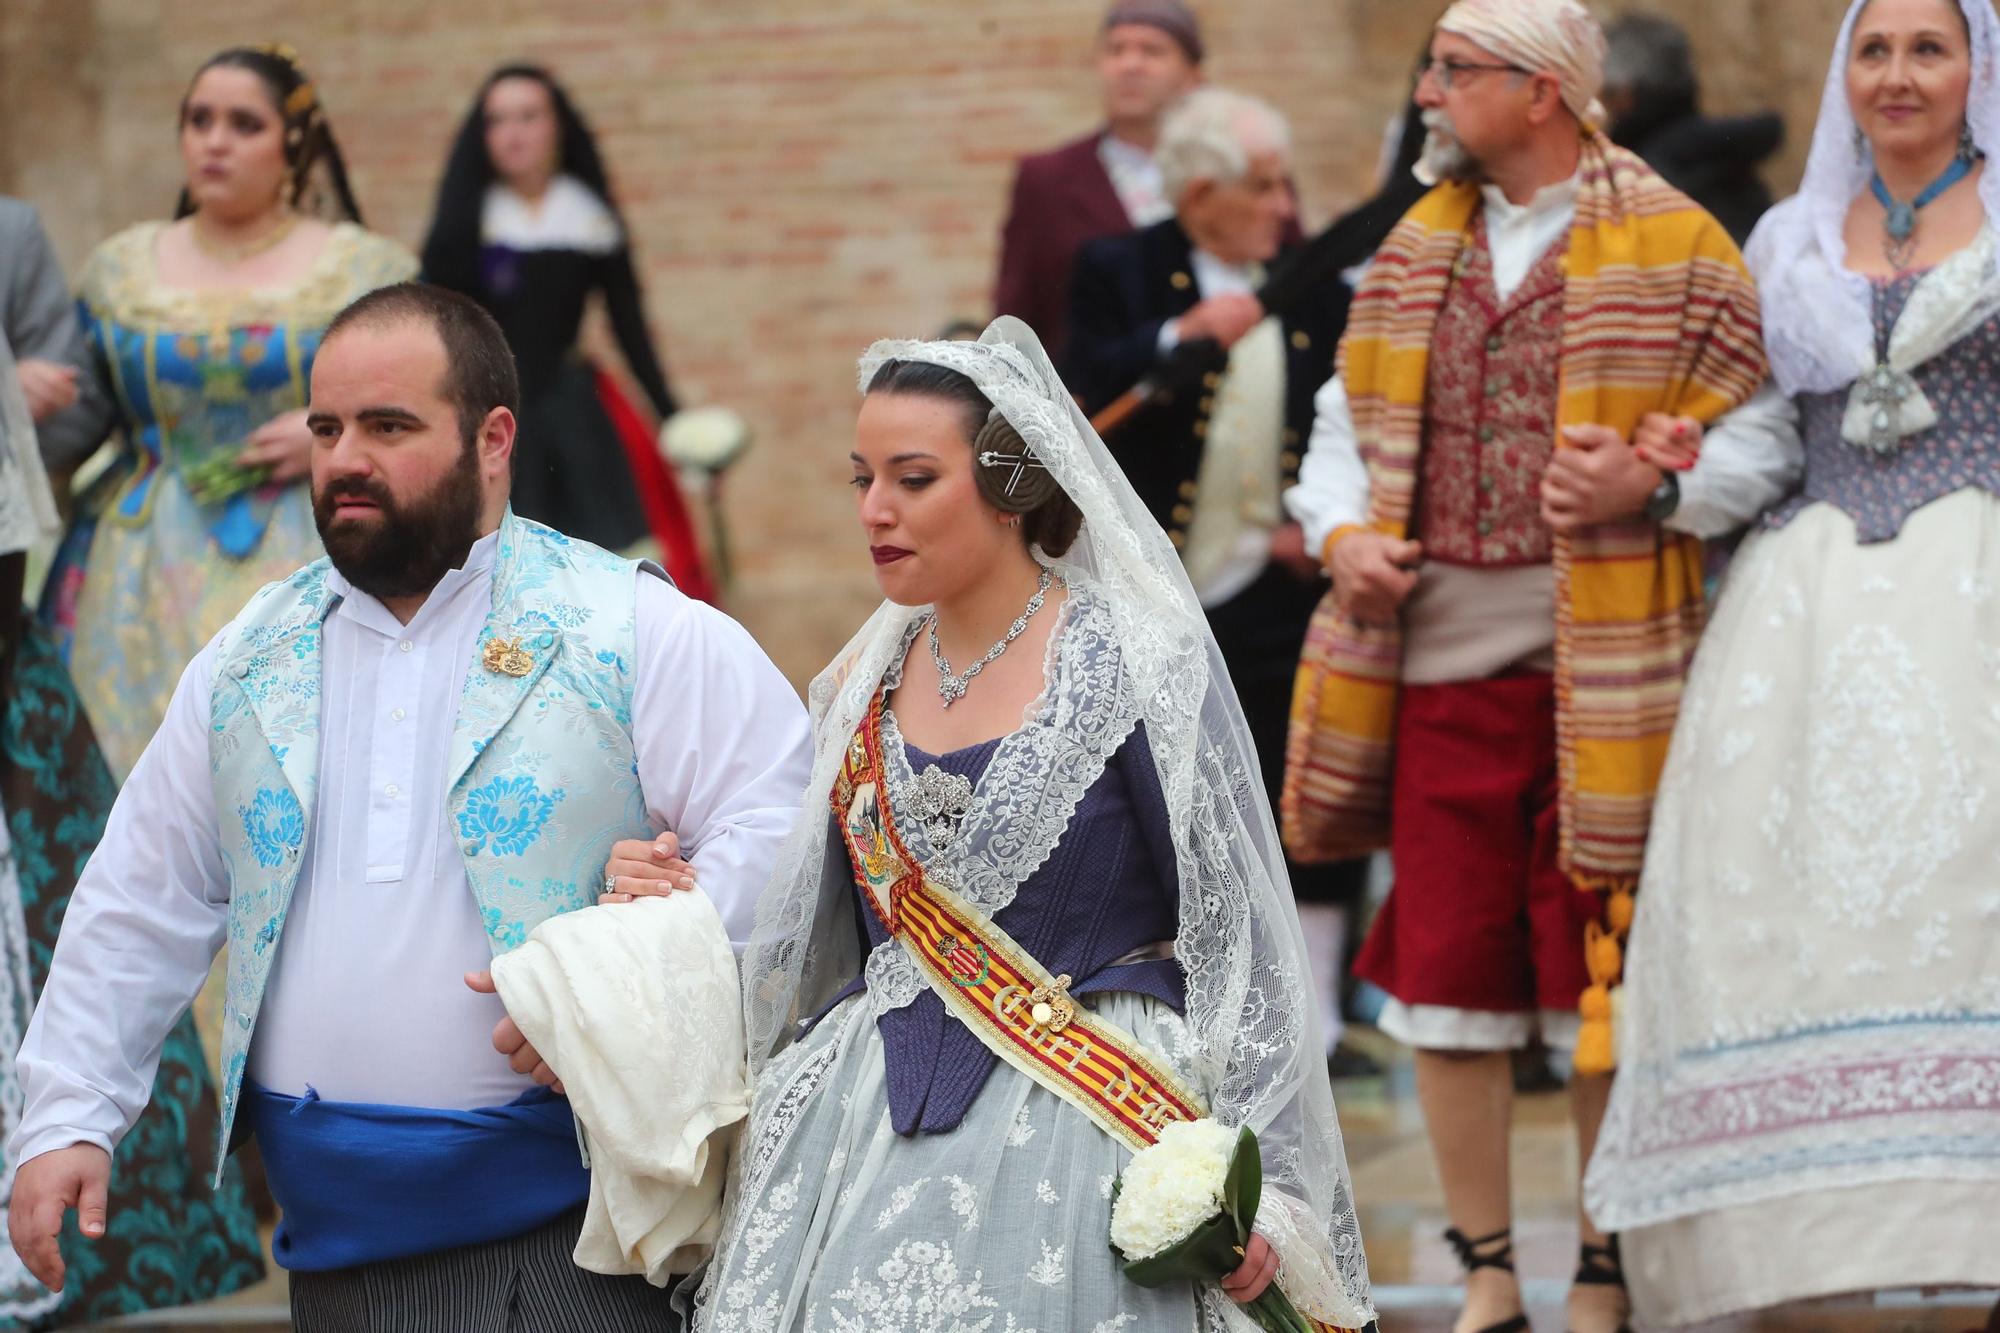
386,771
1490,688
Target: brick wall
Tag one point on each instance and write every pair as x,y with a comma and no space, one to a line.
800,178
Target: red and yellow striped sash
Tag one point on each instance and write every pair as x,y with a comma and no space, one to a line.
1013,1004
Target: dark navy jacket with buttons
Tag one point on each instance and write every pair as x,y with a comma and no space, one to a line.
1123,290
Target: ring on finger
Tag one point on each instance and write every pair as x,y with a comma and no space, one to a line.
611,883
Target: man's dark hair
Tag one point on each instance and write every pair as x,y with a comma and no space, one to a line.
479,365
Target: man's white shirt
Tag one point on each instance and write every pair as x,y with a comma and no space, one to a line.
367,1000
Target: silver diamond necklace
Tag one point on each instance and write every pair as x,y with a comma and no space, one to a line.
951,688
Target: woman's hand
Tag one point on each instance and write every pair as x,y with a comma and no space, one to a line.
1258,1270
646,868
282,444
1670,444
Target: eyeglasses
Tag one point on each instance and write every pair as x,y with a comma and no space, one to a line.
1447,71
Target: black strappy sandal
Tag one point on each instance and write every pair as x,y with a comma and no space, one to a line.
1600,1266
1471,1258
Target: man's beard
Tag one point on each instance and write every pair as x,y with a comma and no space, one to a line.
1444,157
413,543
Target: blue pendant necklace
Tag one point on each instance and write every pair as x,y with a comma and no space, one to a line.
1900,219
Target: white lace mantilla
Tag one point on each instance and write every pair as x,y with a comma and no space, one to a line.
1136,649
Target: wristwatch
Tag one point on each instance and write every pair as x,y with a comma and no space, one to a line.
1665,499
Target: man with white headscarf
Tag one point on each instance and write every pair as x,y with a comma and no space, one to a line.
1489,689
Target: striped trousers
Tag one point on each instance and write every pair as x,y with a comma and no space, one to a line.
525,1284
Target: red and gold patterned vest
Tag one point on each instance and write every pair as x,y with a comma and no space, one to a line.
1490,414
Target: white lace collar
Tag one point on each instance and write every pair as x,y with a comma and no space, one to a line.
569,217
1032,785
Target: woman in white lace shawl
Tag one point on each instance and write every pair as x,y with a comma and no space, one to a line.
1808,1095
1085,784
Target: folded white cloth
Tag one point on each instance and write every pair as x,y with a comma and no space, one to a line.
637,1009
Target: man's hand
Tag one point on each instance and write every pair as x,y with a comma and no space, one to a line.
47,1187
510,1042
48,386
1223,318
1671,444
1257,1271
1288,551
1372,574
1599,479
645,868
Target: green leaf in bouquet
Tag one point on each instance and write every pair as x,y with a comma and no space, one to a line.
1275,1313
218,477
1207,1254
1243,1186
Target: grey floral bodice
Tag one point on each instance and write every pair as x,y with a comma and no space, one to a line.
1880,491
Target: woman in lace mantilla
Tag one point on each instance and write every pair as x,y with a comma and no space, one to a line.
1056,748
1808,1098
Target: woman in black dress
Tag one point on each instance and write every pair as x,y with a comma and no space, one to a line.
527,226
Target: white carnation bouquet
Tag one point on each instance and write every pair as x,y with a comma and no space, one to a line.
704,439
700,443
1183,1209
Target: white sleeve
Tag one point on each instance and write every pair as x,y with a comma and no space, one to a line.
723,746
1333,482
1750,459
144,923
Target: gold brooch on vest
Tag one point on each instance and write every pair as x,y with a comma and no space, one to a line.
507,657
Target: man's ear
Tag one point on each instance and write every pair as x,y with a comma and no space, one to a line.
1195,197
496,442
1545,101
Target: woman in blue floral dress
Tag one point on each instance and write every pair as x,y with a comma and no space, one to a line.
204,330
173,1238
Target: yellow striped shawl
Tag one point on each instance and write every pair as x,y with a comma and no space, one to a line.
1659,315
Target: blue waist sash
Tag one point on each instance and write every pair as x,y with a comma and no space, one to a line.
359,1183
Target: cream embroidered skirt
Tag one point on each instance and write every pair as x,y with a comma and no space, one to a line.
1808,1096
1000,1226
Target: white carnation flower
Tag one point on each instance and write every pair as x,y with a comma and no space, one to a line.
1171,1188
705,439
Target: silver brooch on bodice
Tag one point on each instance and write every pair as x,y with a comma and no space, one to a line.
1884,392
940,801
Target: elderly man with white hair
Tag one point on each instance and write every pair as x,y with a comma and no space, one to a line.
1490,689
1219,440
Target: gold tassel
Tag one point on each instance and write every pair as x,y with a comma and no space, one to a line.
1594,1053
1604,958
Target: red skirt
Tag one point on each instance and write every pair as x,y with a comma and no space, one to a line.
659,494
1480,915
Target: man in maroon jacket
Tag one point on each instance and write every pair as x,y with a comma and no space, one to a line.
1148,53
